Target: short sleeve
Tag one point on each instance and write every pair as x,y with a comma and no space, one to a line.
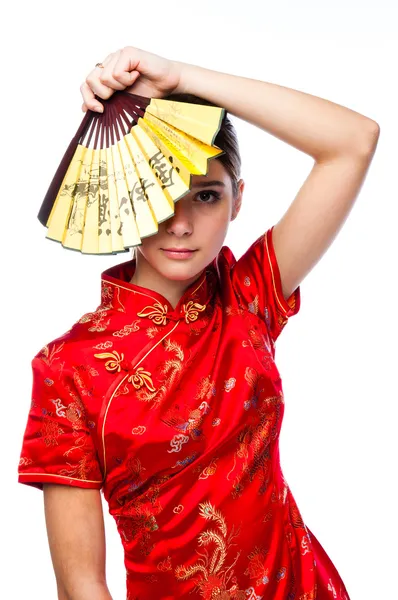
257,284
57,445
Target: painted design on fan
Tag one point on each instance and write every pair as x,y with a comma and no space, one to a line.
138,192
159,165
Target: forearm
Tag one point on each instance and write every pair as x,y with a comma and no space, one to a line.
318,127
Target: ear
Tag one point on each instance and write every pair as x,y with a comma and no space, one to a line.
237,203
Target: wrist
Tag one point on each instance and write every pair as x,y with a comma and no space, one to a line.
182,70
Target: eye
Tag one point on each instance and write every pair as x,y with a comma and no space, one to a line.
216,196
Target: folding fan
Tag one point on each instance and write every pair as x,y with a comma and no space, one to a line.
124,170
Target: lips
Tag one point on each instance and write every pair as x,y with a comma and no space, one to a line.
178,253
178,249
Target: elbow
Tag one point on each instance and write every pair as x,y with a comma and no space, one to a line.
368,140
84,590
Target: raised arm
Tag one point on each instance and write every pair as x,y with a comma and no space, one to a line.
76,536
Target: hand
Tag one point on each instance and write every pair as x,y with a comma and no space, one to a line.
134,70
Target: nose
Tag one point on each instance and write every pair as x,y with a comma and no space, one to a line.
181,223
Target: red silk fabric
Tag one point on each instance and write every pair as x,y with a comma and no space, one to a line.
175,413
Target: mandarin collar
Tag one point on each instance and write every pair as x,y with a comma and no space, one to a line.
118,293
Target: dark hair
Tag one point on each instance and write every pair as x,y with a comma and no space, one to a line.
226,139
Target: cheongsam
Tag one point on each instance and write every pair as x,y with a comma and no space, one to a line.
175,414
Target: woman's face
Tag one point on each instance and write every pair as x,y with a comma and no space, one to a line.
200,223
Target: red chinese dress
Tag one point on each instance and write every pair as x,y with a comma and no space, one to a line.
175,414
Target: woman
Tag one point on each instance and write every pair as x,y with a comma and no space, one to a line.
167,396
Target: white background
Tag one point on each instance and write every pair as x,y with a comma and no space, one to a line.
337,356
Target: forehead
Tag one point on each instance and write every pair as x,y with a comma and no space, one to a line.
216,171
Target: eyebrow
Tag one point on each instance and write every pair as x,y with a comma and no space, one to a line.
208,183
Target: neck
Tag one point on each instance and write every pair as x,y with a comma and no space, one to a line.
146,276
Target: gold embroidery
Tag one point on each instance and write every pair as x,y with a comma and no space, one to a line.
253,306
206,389
256,568
141,378
170,370
104,345
253,454
152,331
309,595
97,318
110,297
209,470
114,364
48,356
214,578
127,329
50,431
192,309
165,565
136,519
157,312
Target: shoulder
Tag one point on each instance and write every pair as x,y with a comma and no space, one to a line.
70,347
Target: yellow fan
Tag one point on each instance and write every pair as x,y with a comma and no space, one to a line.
124,170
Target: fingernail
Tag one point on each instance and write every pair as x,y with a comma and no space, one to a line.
98,108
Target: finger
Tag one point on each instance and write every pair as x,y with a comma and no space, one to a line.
89,99
125,65
106,77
